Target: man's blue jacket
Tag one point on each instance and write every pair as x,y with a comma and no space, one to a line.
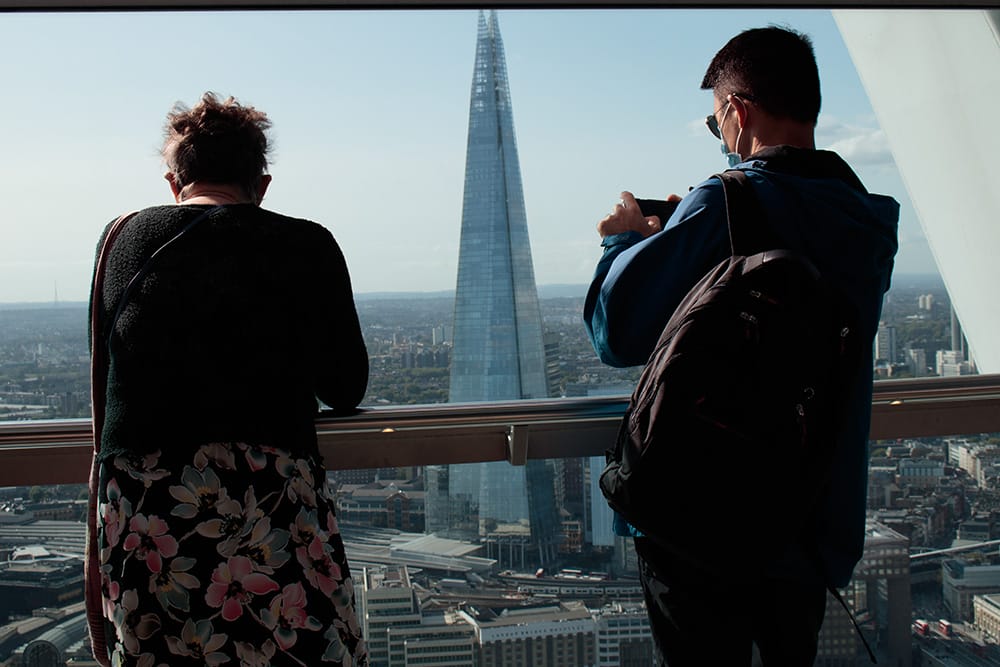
817,206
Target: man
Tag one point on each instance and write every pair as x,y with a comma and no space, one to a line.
766,98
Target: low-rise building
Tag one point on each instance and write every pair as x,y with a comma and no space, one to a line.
623,635
443,639
556,635
920,472
962,581
383,504
986,614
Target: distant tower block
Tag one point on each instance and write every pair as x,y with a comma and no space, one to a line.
957,339
498,352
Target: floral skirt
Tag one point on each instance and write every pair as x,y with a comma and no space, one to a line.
229,556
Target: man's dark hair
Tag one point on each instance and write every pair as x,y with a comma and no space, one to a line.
775,68
217,142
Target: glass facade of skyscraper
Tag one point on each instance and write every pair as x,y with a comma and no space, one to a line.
498,351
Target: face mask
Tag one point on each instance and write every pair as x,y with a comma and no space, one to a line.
732,157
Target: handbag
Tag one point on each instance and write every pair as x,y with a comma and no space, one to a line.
99,365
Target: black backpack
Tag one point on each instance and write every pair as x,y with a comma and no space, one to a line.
727,442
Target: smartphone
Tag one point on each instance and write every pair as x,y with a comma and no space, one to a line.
658,207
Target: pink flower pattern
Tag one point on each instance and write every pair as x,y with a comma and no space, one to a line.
142,468
319,567
149,541
171,585
115,513
234,584
287,614
196,554
199,641
265,547
301,485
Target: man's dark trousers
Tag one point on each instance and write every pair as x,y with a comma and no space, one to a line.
697,620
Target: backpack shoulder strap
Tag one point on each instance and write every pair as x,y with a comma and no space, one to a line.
750,234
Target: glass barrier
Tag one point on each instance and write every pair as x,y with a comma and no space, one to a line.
344,125
431,574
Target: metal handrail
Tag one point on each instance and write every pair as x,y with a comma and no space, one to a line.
924,407
367,421
59,451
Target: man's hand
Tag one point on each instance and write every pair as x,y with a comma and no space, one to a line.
626,217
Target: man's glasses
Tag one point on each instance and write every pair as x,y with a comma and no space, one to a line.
713,123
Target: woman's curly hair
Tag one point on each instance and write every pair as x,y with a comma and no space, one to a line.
217,142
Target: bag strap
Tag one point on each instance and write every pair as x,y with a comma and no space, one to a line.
840,599
745,238
98,352
98,390
147,266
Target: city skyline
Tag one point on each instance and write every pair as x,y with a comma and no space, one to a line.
545,290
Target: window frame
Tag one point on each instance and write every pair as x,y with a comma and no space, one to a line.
187,5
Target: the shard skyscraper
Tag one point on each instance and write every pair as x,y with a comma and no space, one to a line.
498,351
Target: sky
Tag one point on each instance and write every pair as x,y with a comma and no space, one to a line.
370,113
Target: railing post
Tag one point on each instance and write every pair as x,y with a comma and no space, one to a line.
517,445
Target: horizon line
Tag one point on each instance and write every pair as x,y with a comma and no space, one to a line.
381,294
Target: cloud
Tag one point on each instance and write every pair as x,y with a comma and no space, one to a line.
858,144
696,128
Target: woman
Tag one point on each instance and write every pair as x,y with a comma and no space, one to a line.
216,324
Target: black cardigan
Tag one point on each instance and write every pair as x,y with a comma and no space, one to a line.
232,334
